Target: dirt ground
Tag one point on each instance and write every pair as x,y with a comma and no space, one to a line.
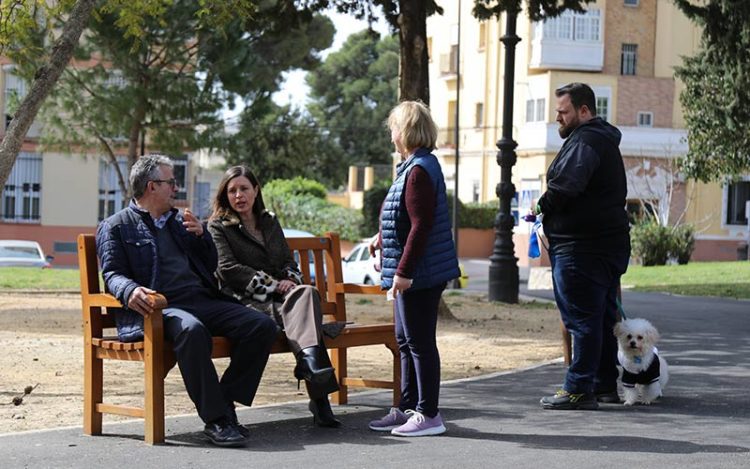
42,348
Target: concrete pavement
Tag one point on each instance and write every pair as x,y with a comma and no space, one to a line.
494,421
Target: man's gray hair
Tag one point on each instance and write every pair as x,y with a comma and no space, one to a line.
147,169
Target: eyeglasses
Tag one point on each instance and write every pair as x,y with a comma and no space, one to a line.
172,182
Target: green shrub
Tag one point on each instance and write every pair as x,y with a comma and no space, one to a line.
297,186
654,244
372,201
683,243
478,215
303,212
651,242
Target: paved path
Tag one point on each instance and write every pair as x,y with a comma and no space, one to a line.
494,421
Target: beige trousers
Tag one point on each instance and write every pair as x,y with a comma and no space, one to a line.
301,317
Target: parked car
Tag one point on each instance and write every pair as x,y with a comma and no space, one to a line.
17,253
359,267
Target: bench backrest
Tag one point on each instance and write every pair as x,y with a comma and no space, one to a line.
320,264
319,261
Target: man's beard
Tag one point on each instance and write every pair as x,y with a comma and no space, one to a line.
566,130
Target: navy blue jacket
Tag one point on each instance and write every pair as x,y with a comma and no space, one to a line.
128,252
439,263
587,188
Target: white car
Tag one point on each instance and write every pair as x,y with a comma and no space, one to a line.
359,266
16,253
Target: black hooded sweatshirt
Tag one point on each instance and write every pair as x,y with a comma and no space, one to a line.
584,205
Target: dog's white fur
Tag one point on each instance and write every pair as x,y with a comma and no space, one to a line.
636,340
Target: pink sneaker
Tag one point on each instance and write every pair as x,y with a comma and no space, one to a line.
420,425
395,418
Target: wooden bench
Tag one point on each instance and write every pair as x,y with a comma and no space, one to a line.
158,357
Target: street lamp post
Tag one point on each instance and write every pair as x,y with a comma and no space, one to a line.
503,275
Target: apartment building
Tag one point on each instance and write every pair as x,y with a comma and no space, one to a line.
626,50
52,197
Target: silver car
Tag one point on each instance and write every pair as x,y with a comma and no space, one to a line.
17,253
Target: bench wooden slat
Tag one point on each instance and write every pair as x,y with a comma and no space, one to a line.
158,356
120,410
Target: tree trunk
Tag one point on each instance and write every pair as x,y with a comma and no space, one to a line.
414,79
44,79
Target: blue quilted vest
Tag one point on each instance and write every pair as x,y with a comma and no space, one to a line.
439,263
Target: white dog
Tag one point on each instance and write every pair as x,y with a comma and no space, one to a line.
644,372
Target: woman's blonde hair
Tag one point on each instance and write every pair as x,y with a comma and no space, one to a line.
414,123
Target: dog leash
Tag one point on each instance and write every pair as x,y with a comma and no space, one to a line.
619,308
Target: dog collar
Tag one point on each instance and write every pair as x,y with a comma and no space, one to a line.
637,359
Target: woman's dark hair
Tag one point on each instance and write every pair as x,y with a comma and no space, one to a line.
221,206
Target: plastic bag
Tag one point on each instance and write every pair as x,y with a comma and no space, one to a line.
534,251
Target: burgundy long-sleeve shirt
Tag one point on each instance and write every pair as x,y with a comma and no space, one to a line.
419,196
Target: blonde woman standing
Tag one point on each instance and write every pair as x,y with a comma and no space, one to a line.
419,258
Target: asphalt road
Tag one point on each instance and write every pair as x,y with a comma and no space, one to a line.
494,421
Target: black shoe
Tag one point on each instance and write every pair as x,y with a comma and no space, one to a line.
563,400
224,433
322,413
607,397
232,415
309,367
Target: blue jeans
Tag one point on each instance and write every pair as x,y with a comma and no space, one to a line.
416,322
585,286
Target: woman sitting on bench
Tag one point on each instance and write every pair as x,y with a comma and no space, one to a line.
257,267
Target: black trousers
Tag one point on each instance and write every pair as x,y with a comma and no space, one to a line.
416,325
190,327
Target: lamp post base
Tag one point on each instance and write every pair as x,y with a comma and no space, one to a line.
503,281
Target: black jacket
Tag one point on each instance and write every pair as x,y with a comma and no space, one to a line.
587,188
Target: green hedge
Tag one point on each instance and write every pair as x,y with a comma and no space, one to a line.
474,214
300,203
371,203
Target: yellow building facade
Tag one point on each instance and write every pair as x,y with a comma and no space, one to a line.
626,50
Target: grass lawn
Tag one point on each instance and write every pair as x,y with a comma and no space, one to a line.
724,279
26,278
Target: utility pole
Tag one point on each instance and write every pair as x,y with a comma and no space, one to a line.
457,135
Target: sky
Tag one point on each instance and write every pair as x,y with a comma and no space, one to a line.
294,89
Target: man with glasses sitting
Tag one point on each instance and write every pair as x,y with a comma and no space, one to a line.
150,247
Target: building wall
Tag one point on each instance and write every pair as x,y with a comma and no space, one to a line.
70,190
642,94
630,25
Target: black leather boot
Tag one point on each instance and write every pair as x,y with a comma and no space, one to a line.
322,413
311,367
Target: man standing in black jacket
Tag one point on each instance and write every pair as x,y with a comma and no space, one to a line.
585,220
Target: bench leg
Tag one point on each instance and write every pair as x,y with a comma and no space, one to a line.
338,360
396,373
154,405
566,345
92,391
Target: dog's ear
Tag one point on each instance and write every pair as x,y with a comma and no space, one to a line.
617,329
653,335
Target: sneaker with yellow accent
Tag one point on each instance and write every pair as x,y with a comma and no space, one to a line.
563,400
